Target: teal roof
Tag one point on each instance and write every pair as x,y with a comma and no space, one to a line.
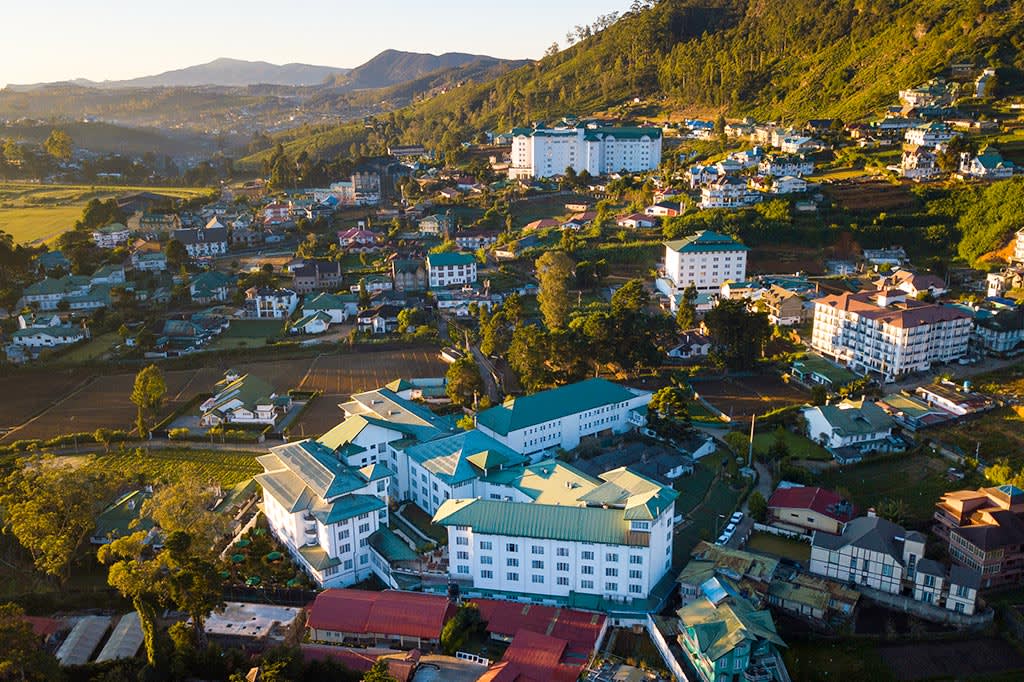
462,456
642,498
317,557
541,521
308,464
324,302
111,228
123,517
449,258
706,241
249,390
520,413
856,418
720,628
391,547
347,507
63,331
318,315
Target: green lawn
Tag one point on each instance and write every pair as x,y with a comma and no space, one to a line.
248,334
95,348
777,546
918,480
692,488
799,446
422,521
720,503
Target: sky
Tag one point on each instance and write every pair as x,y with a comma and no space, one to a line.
53,40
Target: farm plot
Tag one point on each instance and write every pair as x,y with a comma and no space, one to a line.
26,393
870,195
226,468
935,660
746,396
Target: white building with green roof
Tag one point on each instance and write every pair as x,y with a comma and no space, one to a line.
450,268
706,260
557,532
542,152
244,399
560,417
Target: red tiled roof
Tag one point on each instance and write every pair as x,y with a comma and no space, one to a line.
904,314
406,614
44,627
580,629
358,660
533,657
817,499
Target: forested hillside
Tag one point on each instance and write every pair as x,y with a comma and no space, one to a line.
789,59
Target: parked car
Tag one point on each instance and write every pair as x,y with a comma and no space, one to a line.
736,517
730,529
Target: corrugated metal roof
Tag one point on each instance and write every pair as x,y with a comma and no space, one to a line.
519,413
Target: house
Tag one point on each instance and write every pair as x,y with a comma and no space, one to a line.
692,344
374,284
608,537
560,417
477,239
337,308
210,286
243,399
984,532
542,224
245,237
785,308
52,260
78,292
988,164
110,236
911,412
635,221
929,135
408,274
912,283
439,224
270,303
382,319
727,192
149,261
542,152
698,176
779,165
798,144
317,275
203,243
956,401
393,619
276,213
706,260
787,184
934,93
918,163
886,333
324,510
316,323
36,338
356,240
894,256
578,221
806,509
446,269
851,429
748,571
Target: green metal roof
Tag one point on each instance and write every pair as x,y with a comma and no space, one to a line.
324,302
856,418
391,547
519,413
547,482
642,498
123,517
247,389
706,241
816,364
347,507
439,260
63,331
317,557
541,521
721,628
462,456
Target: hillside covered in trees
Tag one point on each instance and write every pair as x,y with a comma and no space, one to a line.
779,59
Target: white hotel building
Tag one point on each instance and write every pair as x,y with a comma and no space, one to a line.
886,333
609,537
546,152
707,260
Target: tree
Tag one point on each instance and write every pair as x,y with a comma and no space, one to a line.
364,295
139,572
50,508
496,336
59,145
738,335
463,382
631,297
192,581
176,254
667,413
21,656
466,624
379,672
148,394
555,269
758,506
686,313
184,506
527,355
410,318
819,394
893,509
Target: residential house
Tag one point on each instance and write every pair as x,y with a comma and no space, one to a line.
149,261
203,243
276,213
356,240
806,509
542,224
245,237
918,163
786,184
933,93
1018,246
751,572
785,308
110,236
50,336
851,429
374,284
635,221
49,261
727,192
108,275
664,209
814,369
798,144
270,303
698,176
952,399
337,308
911,412
893,256
578,221
316,323
692,344
930,135
439,224
317,275
779,165
382,319
912,283
409,274
609,537
79,293
446,269
243,399
706,260
561,417
476,239
984,532
542,152
999,331
887,333
403,620
988,164
210,286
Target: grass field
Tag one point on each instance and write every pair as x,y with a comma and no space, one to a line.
742,397
917,480
96,348
32,212
799,446
811,661
248,334
227,468
995,435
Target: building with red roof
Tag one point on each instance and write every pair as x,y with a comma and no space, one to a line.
806,509
402,620
534,657
581,630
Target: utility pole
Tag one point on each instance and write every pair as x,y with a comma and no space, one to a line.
750,450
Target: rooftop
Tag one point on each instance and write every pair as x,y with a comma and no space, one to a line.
407,614
706,241
519,413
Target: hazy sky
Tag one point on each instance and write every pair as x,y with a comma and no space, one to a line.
50,40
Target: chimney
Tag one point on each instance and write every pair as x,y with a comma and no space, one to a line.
871,512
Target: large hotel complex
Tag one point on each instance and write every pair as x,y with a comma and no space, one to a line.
542,152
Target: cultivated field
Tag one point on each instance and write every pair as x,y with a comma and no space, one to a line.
869,195
32,212
746,396
769,259
936,660
224,467
55,402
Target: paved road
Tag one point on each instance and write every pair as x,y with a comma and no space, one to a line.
764,485
487,373
961,372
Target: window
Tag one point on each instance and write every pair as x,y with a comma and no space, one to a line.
561,566
485,545
514,577
636,589
536,549
887,570
611,587
342,534
537,579
486,575
586,584
462,568
348,564
345,549
587,570
636,559
364,558
539,565
511,547
486,560
462,541
587,556
611,572
362,542
636,575
563,581
462,556
364,528
512,563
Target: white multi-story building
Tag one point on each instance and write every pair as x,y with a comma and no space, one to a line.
887,333
560,417
706,259
269,303
858,426
988,164
546,152
778,165
932,134
727,192
609,537
918,163
204,243
110,236
324,510
447,269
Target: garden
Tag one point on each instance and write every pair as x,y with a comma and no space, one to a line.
256,560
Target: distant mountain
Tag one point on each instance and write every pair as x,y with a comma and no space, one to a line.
391,67
221,72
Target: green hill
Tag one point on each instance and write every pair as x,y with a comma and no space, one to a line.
783,59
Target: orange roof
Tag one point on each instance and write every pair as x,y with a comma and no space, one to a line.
903,314
534,657
406,614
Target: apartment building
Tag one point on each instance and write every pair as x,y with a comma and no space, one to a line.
887,333
728,192
932,135
609,537
110,236
706,259
542,152
560,417
269,303
984,530
203,243
447,269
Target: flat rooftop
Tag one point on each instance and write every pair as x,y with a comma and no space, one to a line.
255,621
